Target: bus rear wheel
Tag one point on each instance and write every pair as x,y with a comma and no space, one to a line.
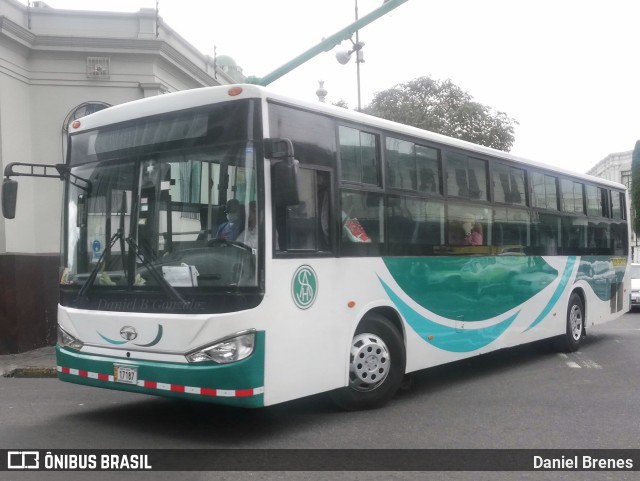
574,332
376,365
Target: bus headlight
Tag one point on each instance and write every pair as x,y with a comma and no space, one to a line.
67,340
231,349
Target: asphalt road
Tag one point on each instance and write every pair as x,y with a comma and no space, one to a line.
527,397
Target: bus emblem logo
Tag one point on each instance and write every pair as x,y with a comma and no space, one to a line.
128,333
304,288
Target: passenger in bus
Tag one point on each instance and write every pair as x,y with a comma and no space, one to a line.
472,233
231,229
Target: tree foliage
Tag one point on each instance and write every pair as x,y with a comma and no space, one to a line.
635,187
442,107
341,103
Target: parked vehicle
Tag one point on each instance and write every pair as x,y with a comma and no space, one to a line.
635,286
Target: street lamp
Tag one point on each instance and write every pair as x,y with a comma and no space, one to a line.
343,56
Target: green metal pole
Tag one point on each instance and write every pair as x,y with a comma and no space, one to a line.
328,43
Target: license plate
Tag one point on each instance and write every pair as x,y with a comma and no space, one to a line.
125,374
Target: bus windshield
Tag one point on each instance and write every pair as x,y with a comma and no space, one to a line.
183,216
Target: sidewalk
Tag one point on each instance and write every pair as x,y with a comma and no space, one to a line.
37,363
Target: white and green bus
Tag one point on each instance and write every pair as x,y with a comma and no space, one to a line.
232,245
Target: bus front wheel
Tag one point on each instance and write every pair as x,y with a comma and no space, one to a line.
570,340
376,365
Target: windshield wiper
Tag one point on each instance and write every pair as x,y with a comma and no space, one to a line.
94,273
123,209
159,278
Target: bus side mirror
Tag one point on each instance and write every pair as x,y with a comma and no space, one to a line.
9,198
284,171
277,149
285,183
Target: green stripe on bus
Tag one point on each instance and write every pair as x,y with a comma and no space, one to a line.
566,275
471,288
447,338
241,375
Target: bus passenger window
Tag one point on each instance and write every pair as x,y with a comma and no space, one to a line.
617,205
574,235
412,167
466,177
362,226
414,225
360,216
545,234
508,184
359,157
594,201
468,225
427,160
510,229
544,191
400,223
572,198
619,237
401,164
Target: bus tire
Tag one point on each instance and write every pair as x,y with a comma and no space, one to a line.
376,365
574,331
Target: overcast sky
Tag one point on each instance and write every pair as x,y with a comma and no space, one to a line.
567,70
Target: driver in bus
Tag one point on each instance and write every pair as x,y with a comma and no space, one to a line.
231,229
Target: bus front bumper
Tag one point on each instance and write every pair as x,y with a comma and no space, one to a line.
237,384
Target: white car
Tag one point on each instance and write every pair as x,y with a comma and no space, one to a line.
635,285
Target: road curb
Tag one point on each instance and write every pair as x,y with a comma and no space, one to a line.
32,372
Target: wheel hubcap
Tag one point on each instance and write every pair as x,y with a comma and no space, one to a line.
575,322
370,362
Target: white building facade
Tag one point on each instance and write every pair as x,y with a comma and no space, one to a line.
56,65
615,167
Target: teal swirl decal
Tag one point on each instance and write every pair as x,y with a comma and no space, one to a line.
564,280
112,341
155,341
471,288
601,274
444,337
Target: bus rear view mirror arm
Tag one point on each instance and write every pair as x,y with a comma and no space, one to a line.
21,169
55,171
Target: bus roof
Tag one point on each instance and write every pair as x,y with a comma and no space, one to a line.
187,99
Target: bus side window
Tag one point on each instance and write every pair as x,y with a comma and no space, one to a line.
467,225
545,233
